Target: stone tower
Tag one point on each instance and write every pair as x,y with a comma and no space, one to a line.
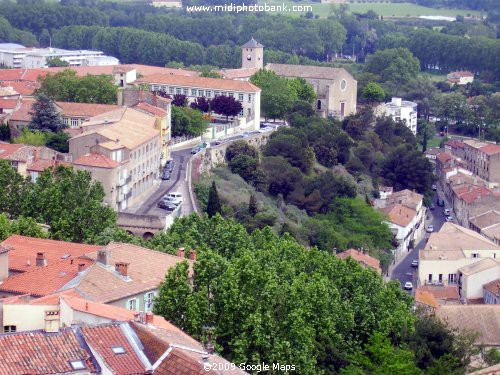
252,54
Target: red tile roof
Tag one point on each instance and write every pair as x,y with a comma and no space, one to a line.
441,292
362,258
26,88
491,149
45,280
23,113
399,214
443,157
22,74
22,256
8,103
454,143
493,287
7,149
96,160
463,74
179,363
85,109
42,164
152,109
103,338
475,193
426,298
201,82
38,352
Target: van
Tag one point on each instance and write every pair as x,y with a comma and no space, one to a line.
175,198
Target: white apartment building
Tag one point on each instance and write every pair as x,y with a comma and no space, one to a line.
17,56
449,253
400,110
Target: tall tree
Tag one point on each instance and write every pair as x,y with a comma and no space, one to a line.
45,116
226,106
252,205
213,205
373,93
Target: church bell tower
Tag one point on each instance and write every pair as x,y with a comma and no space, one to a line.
252,54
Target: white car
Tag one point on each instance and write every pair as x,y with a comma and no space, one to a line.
449,218
434,187
430,228
245,134
408,285
174,197
265,129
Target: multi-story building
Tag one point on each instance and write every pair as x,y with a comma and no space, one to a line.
194,87
400,110
335,88
483,160
450,250
460,78
488,223
123,155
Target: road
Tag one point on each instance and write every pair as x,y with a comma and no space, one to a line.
404,271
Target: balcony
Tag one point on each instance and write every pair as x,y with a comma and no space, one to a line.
124,181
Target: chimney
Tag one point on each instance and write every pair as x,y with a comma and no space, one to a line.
4,262
192,255
181,252
86,306
122,268
41,261
104,256
149,317
81,267
35,154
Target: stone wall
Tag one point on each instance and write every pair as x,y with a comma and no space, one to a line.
213,156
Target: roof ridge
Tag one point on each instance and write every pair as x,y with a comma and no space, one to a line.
120,244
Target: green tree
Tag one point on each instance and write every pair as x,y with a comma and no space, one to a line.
373,93
244,166
33,138
58,141
213,205
187,121
4,132
45,116
277,96
304,91
425,131
241,147
56,62
14,190
252,205
70,203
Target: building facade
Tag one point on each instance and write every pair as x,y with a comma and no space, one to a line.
400,110
483,160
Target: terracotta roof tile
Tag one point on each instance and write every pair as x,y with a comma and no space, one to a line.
471,195
8,103
454,143
152,109
7,149
238,73
179,363
22,74
202,82
493,287
85,109
462,74
362,258
26,88
96,160
23,113
491,149
45,280
37,352
22,256
399,214
441,292
147,269
443,157
103,338
426,298
42,164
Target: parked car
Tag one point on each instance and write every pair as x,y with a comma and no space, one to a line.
440,202
166,174
218,142
446,212
408,285
169,166
430,228
246,134
449,218
265,129
414,263
434,187
167,205
432,206
195,150
175,198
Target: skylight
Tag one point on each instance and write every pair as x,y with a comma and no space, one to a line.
77,365
118,349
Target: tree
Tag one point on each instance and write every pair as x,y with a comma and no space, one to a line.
45,116
423,91
56,62
14,190
277,97
425,131
282,177
4,132
187,121
33,138
66,86
373,93
241,147
303,90
213,205
226,106
201,104
58,141
252,205
179,100
70,203
244,166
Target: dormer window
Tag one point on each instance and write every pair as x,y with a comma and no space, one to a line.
118,350
77,365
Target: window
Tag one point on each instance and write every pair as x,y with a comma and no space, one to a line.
249,111
430,277
186,92
452,278
475,255
74,122
208,93
132,304
148,301
200,93
193,92
216,93
10,328
171,90
178,90
77,365
231,94
118,349
249,98
240,97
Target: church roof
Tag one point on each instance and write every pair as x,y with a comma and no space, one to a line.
252,43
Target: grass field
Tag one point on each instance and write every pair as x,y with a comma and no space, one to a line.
383,9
